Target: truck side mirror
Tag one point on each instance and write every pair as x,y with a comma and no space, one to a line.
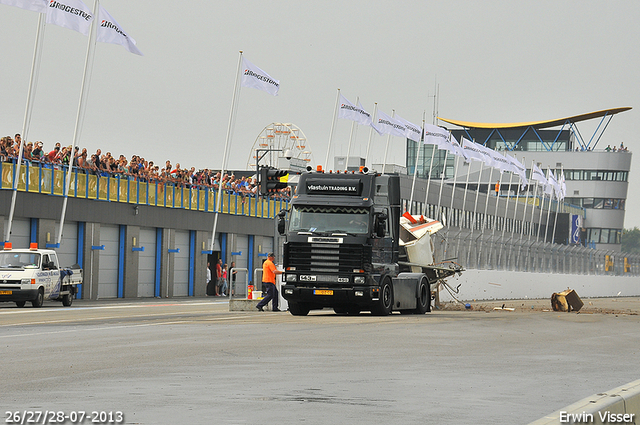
281,221
380,224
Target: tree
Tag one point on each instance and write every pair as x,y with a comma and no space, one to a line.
631,240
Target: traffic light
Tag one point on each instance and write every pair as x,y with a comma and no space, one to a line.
270,180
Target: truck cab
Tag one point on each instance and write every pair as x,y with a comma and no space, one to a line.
342,243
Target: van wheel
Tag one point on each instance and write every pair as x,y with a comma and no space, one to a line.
39,299
20,304
385,304
67,299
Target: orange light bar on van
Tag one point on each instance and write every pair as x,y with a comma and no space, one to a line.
7,246
33,246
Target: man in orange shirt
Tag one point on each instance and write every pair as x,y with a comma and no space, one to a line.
269,272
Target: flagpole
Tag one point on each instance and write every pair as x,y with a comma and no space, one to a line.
475,207
236,93
384,164
375,110
415,170
86,79
333,123
553,235
33,82
444,168
542,207
526,203
353,124
426,196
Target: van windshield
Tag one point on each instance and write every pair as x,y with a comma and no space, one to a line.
325,219
19,260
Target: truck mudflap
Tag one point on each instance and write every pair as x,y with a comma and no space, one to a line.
363,296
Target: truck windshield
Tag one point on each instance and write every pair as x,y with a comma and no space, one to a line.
321,219
19,260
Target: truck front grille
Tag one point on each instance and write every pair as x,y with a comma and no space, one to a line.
327,258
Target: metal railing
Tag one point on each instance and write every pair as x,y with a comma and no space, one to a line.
50,179
514,252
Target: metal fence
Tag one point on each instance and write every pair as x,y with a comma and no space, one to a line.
516,252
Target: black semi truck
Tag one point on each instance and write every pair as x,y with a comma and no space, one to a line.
342,248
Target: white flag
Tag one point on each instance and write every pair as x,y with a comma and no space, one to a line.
412,131
349,111
538,175
110,31
72,14
388,125
553,187
500,161
33,5
519,169
472,150
434,135
454,147
254,77
563,186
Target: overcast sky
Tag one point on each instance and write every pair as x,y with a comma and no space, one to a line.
493,60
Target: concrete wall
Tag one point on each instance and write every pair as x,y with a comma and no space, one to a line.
499,285
601,408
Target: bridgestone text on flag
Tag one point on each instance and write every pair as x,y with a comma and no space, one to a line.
254,77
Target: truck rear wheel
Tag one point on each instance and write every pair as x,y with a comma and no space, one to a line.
424,297
385,304
39,299
298,309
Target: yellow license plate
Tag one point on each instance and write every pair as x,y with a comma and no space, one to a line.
6,292
323,292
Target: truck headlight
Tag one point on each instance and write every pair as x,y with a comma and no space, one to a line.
27,281
291,278
359,279
288,291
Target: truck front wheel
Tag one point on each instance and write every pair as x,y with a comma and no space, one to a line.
385,303
39,299
298,309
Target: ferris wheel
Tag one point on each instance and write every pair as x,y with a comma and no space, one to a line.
275,139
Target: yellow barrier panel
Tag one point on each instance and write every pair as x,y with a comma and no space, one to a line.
124,189
160,197
22,179
192,199
151,190
93,187
170,191
201,197
113,189
7,175
34,179
102,188
45,180
82,186
133,191
58,182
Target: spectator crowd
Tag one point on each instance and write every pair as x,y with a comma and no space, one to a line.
137,168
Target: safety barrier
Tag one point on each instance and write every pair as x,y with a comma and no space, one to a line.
619,405
50,179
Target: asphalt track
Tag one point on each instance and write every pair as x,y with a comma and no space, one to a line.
191,361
